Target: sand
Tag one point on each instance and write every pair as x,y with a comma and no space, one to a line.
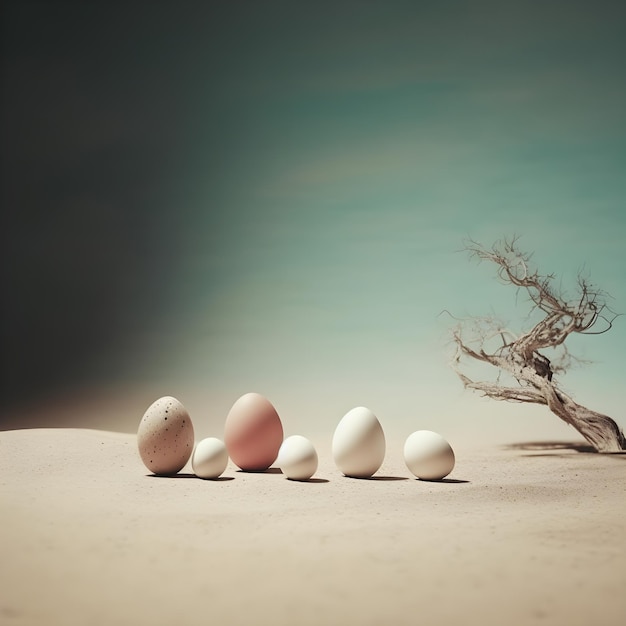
518,535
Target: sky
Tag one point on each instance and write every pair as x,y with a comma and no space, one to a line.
206,199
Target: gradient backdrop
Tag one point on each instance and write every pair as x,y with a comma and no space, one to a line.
204,199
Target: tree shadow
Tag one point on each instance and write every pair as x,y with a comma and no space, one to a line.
577,446
552,448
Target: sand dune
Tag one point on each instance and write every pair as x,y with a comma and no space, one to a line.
532,534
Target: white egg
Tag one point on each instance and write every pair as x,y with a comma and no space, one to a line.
209,458
428,455
165,436
359,443
297,458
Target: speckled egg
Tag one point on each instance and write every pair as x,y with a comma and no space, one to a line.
165,437
253,433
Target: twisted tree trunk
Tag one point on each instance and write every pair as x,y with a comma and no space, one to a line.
599,430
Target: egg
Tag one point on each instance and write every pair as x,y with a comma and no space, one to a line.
165,436
297,458
428,455
358,445
253,433
209,458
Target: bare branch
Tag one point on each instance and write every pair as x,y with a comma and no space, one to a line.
510,394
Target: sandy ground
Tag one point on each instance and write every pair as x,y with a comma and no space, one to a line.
518,535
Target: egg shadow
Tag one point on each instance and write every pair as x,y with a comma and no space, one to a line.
315,481
188,475
269,470
380,478
183,475
448,481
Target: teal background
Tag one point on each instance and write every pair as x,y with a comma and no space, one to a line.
207,199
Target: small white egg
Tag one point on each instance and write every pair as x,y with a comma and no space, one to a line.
428,455
297,458
358,445
209,458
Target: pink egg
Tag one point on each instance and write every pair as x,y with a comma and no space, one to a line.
253,433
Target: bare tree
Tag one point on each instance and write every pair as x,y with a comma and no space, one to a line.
522,356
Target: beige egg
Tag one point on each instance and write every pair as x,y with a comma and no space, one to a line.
165,436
